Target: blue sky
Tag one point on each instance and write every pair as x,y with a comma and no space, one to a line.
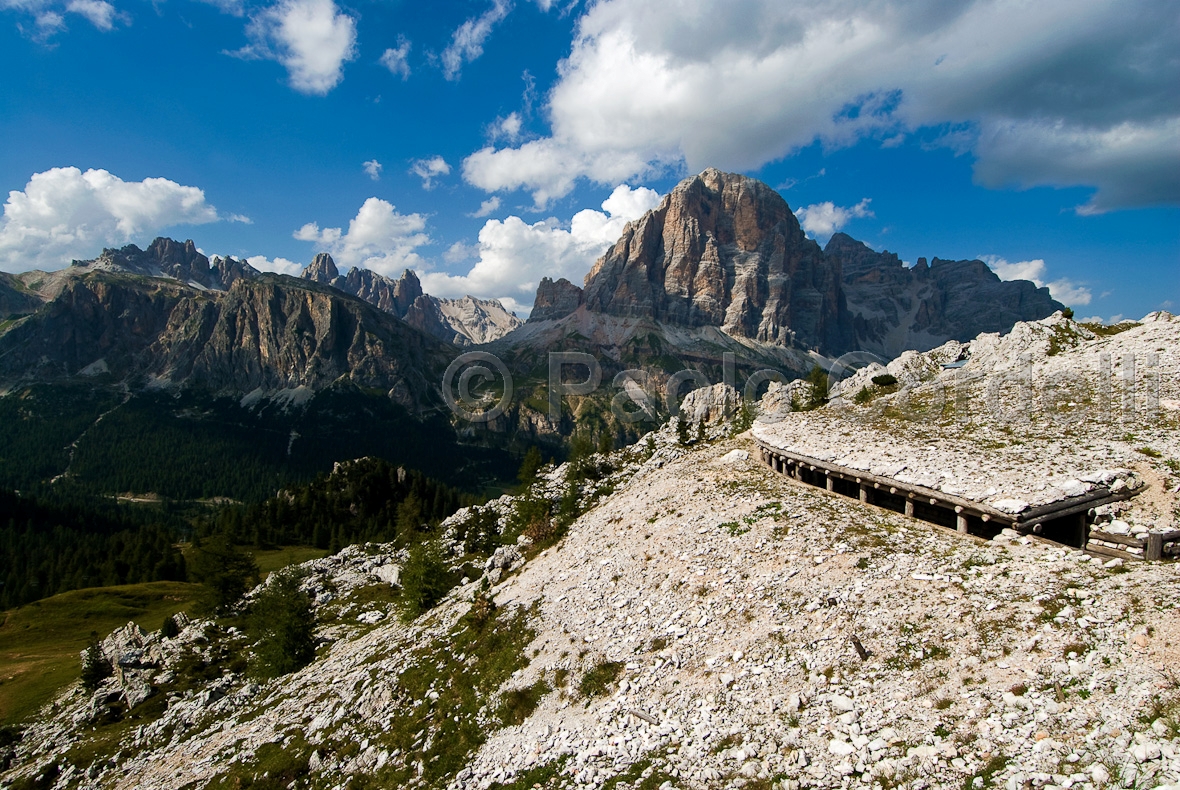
487,143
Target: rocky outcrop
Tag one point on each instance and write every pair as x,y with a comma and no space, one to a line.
462,322
163,258
724,250
267,333
800,654
555,300
103,316
897,308
392,296
228,271
15,300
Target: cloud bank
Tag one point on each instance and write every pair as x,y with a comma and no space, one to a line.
65,213
823,219
1062,289
378,238
515,255
1057,93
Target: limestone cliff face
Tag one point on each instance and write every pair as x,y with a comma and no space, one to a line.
322,269
724,250
277,332
392,296
897,308
104,316
267,333
555,300
461,322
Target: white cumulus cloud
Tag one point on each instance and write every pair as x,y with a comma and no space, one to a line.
429,169
276,265
824,219
397,59
515,255
468,40
378,238
373,169
312,39
1059,92
1062,289
64,213
487,207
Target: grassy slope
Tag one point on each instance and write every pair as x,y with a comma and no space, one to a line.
40,642
271,560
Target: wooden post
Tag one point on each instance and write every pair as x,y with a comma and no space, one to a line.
960,520
830,481
864,493
1154,546
860,649
909,507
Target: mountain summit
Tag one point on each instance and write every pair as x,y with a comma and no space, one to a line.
724,250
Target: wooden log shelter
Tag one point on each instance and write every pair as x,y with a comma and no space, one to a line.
1066,521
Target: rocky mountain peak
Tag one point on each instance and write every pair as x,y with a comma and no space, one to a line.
555,300
322,269
164,257
724,250
182,261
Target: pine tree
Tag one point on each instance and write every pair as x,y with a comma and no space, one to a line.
530,466
225,572
425,579
95,666
817,394
283,624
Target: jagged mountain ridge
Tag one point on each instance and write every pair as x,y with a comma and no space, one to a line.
267,333
898,308
463,322
725,250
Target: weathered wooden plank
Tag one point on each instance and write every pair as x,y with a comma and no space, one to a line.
1105,552
1067,511
1108,537
1052,507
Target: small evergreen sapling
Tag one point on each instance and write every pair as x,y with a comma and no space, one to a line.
95,666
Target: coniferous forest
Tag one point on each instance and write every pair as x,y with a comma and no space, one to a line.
51,547
71,541
204,465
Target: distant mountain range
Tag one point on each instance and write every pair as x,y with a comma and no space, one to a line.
256,378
